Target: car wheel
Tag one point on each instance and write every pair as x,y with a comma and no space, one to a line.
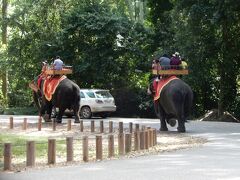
86,113
54,113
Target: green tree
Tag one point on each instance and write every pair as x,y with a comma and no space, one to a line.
34,28
206,34
161,21
103,46
97,38
4,25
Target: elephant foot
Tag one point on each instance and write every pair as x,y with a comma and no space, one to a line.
163,129
76,121
59,121
181,129
47,118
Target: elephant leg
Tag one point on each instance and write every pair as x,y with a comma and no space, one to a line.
42,113
76,113
162,115
49,112
181,125
60,114
181,120
43,109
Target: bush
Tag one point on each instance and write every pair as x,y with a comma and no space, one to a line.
20,111
133,103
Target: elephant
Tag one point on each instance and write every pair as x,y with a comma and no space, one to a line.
66,96
175,102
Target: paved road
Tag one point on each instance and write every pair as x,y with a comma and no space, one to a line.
217,159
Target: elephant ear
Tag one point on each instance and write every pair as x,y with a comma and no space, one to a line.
149,92
150,89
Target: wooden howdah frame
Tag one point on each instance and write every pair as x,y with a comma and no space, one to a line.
58,72
170,72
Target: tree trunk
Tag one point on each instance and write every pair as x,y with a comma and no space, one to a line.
4,41
130,9
141,12
227,66
4,18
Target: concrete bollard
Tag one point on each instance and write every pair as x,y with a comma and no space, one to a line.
136,127
54,125
142,140
151,138
136,140
92,126
11,122
110,127
85,148
99,151
69,145
40,123
121,144
146,139
130,127
101,127
7,157
51,151
81,126
110,146
120,127
69,125
30,153
128,142
24,127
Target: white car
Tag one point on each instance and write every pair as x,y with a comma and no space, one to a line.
93,102
96,101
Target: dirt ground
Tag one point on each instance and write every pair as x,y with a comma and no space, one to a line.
166,142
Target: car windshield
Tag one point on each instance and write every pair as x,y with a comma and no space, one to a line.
90,94
103,94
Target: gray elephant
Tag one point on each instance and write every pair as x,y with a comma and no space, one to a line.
175,102
66,96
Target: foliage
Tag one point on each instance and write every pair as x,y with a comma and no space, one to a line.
160,17
97,39
108,49
101,45
19,111
210,27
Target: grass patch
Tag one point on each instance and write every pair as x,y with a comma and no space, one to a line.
19,147
19,111
19,144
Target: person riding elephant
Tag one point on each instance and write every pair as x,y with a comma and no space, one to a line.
175,101
58,63
65,96
165,62
175,61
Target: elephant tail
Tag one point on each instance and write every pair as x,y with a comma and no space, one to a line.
188,103
77,98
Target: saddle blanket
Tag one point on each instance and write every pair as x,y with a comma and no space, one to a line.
160,84
50,85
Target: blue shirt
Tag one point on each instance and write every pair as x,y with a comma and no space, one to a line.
164,61
58,64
